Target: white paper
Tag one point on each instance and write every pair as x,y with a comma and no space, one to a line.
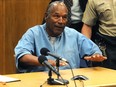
7,79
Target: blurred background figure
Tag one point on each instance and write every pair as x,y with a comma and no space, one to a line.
105,12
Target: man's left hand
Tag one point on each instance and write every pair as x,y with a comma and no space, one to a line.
95,57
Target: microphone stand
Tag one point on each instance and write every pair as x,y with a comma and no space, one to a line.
58,79
52,81
57,66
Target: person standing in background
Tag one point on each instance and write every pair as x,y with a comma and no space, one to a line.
77,10
105,12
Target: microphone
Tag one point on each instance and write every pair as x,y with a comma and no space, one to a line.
46,52
43,60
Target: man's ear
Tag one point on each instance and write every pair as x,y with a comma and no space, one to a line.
46,16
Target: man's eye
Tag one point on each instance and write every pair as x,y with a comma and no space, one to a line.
57,16
65,17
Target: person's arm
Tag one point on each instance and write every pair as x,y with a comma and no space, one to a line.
89,50
33,60
30,60
86,30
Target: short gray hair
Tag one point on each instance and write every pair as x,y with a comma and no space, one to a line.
51,5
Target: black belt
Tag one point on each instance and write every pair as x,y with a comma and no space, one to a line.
108,39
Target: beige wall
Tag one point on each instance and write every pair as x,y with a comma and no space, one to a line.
16,16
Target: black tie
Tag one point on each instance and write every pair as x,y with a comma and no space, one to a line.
68,3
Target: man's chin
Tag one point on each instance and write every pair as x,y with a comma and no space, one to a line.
57,34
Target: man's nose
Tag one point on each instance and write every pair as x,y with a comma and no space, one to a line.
60,20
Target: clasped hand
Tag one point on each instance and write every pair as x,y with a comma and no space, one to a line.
53,63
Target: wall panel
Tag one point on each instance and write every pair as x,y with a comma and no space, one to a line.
2,37
16,16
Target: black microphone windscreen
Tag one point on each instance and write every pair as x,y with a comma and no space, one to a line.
42,58
44,51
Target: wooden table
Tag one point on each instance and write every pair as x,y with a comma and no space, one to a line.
98,77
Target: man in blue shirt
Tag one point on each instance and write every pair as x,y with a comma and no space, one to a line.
59,39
